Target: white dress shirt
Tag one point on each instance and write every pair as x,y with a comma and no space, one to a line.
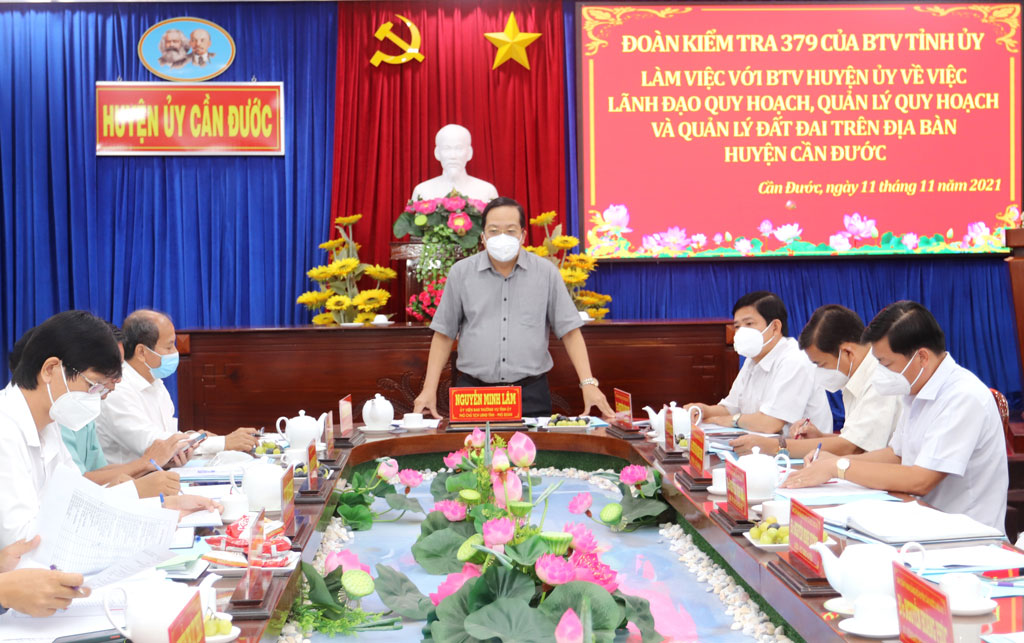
870,416
780,385
136,413
952,425
30,458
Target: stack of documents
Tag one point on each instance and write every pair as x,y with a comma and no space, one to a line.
902,522
834,492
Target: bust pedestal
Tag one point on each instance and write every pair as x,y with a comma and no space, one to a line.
406,254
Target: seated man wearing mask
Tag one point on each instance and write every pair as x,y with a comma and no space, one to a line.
84,447
140,411
831,340
775,387
948,447
65,366
502,305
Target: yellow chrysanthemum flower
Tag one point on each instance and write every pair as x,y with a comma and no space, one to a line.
342,267
349,220
573,276
581,261
565,242
370,300
544,218
319,273
380,273
324,319
540,251
338,302
597,313
333,244
365,318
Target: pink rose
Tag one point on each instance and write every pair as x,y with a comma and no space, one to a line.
507,482
582,538
454,459
570,629
581,503
387,469
454,583
499,461
475,439
498,531
410,477
521,450
344,559
554,570
633,474
453,510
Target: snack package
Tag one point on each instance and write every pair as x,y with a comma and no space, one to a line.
277,547
227,543
272,528
226,558
240,528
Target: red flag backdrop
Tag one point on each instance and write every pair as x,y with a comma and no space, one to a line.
386,116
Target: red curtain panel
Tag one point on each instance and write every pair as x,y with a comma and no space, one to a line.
386,117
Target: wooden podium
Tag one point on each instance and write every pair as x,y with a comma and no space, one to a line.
1015,242
406,254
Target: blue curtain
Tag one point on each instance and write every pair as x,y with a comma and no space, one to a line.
214,241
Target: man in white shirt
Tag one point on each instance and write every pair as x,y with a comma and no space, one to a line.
140,411
775,387
948,447
832,341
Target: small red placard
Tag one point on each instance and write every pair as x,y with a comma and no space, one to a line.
288,501
345,416
485,403
922,608
623,410
313,466
736,490
697,450
328,439
187,626
805,528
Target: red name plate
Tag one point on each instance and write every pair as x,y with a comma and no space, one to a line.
345,415
697,450
670,432
314,465
624,410
485,404
288,501
332,451
736,490
254,574
923,609
187,627
805,528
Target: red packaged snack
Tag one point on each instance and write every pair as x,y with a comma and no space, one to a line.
239,528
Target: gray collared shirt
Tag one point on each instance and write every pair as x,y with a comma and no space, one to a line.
503,323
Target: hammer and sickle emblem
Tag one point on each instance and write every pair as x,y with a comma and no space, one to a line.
410,50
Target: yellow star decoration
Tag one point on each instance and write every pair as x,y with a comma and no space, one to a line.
511,43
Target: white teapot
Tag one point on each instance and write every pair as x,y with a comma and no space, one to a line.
762,473
150,608
261,484
860,570
301,429
378,413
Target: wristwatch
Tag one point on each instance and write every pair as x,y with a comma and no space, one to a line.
589,380
782,446
842,464
736,421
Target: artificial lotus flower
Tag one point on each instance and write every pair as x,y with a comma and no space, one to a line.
344,559
453,510
581,503
633,474
582,538
554,570
410,477
590,568
454,583
498,531
570,628
506,484
387,469
499,461
454,459
476,439
521,450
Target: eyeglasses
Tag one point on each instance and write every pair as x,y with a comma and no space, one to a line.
512,231
95,388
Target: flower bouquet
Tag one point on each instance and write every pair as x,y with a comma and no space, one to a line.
450,228
338,282
576,268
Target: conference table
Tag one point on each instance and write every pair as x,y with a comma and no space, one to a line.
807,616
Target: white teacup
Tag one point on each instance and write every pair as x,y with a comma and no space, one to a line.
380,319
962,589
235,505
778,509
296,456
149,609
878,610
718,478
414,420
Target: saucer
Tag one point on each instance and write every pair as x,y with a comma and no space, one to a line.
974,607
384,429
839,605
718,491
870,628
387,323
417,427
351,324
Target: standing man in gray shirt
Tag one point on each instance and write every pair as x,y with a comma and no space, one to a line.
501,305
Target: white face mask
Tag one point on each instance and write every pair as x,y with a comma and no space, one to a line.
503,247
889,382
748,342
74,409
832,379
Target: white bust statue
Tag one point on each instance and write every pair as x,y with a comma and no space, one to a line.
453,149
